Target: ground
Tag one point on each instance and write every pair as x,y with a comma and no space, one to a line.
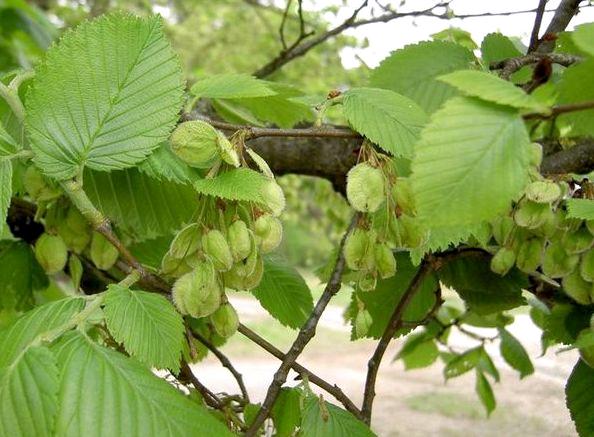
414,403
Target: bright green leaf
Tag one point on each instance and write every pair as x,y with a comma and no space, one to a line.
164,165
579,397
8,145
580,208
28,394
463,363
514,353
491,88
471,161
284,293
574,88
418,351
497,47
122,397
237,184
485,392
231,86
286,412
323,419
388,119
107,94
5,189
412,71
146,324
583,37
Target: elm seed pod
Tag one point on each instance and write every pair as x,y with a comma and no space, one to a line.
367,281
252,280
502,228
225,320
412,232
103,254
577,241
587,266
38,187
75,230
198,293
174,267
577,288
234,279
503,261
51,253
384,261
529,254
535,155
227,151
586,353
355,248
365,187
363,322
270,232
274,197
240,241
216,247
196,143
556,262
186,242
530,214
403,196
543,191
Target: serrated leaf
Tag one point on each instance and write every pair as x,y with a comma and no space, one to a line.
574,88
164,165
284,294
483,291
238,184
419,351
460,364
381,302
8,145
412,71
231,86
388,119
16,337
5,189
107,94
146,324
28,394
487,365
150,252
286,412
323,419
140,205
123,396
471,160
21,275
580,209
485,392
497,47
489,87
583,37
579,398
514,353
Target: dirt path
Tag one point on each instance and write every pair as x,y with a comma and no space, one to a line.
413,403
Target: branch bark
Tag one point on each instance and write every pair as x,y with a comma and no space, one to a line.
306,333
534,41
563,15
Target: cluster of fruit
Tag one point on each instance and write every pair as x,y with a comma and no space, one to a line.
538,236
223,248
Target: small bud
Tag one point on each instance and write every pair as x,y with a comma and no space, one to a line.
365,187
51,253
196,143
216,247
103,254
240,241
363,322
503,261
270,232
225,320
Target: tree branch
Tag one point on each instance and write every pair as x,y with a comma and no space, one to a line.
306,333
563,15
393,325
511,65
536,28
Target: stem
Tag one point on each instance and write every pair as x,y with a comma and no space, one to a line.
131,279
11,96
76,320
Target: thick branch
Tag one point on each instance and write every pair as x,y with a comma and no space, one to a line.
306,333
563,15
393,325
578,159
511,65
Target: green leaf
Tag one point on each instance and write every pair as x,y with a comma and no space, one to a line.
28,394
514,353
238,184
231,86
580,209
485,392
323,419
140,205
471,161
412,71
18,336
482,290
487,86
151,252
486,365
107,94
579,398
497,47
5,189
388,119
8,145
21,275
286,412
419,351
583,37
574,88
456,35
122,397
164,165
381,302
284,293
146,324
463,363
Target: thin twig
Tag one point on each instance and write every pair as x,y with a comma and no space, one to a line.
393,325
536,28
563,15
209,397
332,389
306,333
430,315
225,362
511,65
561,109
281,30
